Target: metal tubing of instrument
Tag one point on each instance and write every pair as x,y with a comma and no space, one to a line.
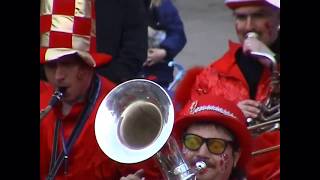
263,124
56,97
44,112
261,151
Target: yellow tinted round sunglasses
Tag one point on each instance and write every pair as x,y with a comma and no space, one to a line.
216,146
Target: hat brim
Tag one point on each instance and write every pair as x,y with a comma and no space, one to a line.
239,130
236,4
92,59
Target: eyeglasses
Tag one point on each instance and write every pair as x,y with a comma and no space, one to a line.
215,145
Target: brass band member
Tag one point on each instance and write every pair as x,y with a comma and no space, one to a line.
243,78
68,148
214,130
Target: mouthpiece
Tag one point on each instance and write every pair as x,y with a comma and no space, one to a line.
56,97
251,35
200,165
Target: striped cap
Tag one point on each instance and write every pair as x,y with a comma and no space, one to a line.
68,27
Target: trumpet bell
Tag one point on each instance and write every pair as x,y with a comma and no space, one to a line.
134,121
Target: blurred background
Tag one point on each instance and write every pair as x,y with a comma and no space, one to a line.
208,25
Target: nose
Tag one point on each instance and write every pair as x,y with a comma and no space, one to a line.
59,73
203,151
249,24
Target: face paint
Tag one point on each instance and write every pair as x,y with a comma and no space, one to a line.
224,162
225,158
268,28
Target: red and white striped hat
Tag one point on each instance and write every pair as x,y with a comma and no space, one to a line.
68,27
232,4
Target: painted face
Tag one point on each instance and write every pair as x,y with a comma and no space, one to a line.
219,167
263,20
68,72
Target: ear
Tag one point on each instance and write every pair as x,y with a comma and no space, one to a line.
236,157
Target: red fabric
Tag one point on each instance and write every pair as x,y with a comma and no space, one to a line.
43,52
183,89
93,46
45,23
101,58
265,166
63,7
152,77
60,40
86,159
233,4
82,26
46,91
224,78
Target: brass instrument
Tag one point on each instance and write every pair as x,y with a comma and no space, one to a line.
56,97
134,123
269,118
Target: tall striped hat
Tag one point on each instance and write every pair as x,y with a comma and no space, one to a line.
68,27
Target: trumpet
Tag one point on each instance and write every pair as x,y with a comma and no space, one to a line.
56,97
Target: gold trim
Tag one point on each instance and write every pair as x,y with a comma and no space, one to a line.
62,23
83,8
46,7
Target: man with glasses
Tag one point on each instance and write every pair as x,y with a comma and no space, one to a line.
213,130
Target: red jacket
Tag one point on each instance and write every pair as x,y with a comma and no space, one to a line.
86,159
224,78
